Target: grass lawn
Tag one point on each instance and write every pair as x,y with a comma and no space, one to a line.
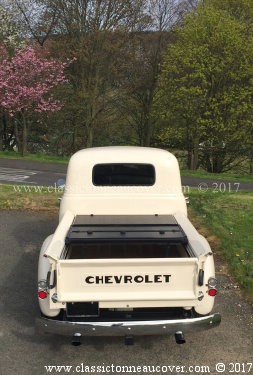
219,176
228,218
36,157
13,198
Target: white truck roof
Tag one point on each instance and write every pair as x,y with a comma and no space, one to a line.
82,196
79,174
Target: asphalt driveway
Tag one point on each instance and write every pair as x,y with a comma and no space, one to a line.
24,352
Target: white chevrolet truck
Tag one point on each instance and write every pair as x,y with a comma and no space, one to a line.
125,260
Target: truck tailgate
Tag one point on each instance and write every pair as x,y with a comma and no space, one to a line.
129,280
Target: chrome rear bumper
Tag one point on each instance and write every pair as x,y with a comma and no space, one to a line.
122,328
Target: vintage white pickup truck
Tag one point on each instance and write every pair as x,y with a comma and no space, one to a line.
125,259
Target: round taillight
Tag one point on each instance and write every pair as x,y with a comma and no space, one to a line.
212,292
42,294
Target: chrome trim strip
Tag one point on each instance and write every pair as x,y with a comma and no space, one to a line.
123,328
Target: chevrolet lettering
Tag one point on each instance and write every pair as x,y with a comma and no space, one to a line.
125,260
127,279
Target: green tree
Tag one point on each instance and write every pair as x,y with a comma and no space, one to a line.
36,18
205,88
143,64
241,10
9,31
94,32
10,40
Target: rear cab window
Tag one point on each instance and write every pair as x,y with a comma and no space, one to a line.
123,174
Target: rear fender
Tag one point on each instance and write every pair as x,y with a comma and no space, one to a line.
206,305
43,269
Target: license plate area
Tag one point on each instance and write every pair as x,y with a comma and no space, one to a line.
82,309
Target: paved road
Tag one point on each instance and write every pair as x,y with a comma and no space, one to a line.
23,352
26,172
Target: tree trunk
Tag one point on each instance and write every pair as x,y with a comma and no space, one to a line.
147,140
73,148
24,136
217,164
16,134
193,156
6,144
89,142
251,161
219,157
147,135
2,134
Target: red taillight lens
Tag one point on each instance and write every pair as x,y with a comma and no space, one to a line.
212,292
42,294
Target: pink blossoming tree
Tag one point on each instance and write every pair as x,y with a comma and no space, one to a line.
26,83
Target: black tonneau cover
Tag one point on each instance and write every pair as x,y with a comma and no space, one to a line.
118,228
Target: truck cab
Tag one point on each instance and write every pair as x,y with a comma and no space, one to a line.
125,259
